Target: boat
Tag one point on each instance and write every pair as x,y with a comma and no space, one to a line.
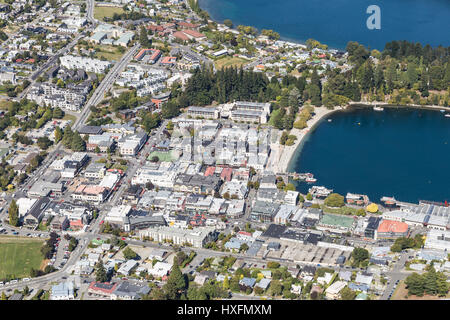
447,115
442,111
329,120
311,180
378,108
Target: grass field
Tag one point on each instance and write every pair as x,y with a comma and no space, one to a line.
4,104
109,52
19,255
70,117
163,156
101,12
229,62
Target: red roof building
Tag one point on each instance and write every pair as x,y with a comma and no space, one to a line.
210,171
390,229
181,35
226,174
102,288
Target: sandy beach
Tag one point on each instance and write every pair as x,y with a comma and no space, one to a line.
281,155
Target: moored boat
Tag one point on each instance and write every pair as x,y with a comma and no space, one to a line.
378,108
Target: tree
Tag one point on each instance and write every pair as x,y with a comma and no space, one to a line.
359,255
347,294
334,200
100,273
226,283
176,283
58,113
58,134
77,143
129,254
276,288
309,196
146,43
13,213
44,143
228,23
243,247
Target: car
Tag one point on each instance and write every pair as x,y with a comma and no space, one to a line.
26,279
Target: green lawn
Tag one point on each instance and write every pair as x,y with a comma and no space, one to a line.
230,62
70,117
163,156
108,52
342,210
101,12
19,255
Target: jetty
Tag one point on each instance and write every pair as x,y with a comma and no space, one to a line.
308,177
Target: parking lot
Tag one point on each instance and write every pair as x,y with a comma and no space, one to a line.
307,253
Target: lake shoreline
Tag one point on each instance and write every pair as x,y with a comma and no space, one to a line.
290,152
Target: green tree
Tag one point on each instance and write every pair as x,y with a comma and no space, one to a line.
334,200
100,272
58,134
359,255
77,143
347,294
228,23
129,254
13,212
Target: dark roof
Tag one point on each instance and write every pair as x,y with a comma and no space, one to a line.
309,269
274,231
38,208
131,289
90,130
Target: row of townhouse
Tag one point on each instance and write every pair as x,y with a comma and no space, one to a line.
71,98
87,64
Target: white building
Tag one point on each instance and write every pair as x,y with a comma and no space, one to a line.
87,64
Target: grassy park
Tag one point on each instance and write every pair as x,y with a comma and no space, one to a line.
19,255
230,62
101,12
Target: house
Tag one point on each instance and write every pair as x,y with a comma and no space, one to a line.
246,283
62,291
126,267
59,223
200,279
130,291
333,291
325,280
263,284
102,289
157,254
160,269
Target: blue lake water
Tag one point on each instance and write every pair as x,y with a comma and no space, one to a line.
398,152
335,22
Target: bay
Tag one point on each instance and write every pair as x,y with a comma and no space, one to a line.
335,22
399,152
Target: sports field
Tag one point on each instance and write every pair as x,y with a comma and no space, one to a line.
19,255
101,12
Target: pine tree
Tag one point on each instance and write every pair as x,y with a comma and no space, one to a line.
100,273
13,214
58,134
77,143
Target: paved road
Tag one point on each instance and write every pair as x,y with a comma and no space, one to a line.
395,275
